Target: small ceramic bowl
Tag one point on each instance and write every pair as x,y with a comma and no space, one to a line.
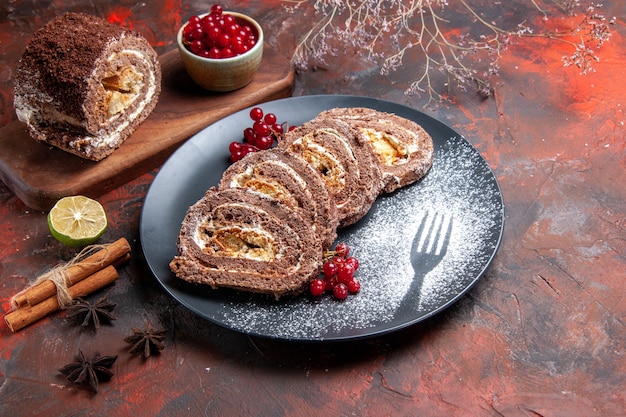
224,74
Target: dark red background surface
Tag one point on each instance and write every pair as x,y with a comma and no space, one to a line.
543,333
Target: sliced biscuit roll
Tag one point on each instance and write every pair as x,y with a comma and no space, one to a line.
242,239
293,182
403,148
84,85
345,161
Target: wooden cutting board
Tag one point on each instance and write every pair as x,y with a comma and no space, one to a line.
39,174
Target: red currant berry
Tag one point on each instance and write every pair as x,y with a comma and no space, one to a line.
317,287
270,118
192,33
217,9
227,53
215,52
237,42
240,48
248,134
278,129
354,285
223,40
264,142
207,25
342,249
261,128
234,147
236,156
352,261
196,46
331,283
340,291
253,140
251,41
247,148
330,269
229,19
233,28
256,114
345,273
214,33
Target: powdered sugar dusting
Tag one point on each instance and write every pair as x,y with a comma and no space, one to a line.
460,186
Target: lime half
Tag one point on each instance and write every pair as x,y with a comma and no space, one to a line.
77,221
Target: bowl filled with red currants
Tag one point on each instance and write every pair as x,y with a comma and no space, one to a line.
221,50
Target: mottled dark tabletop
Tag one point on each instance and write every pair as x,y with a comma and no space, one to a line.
542,333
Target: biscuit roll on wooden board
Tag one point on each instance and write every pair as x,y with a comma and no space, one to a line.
84,85
345,161
242,239
290,180
403,148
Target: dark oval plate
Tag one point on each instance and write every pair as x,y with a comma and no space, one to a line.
399,288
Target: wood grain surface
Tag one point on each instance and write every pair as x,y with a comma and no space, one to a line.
40,174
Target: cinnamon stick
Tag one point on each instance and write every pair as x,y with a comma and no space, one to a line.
22,317
114,253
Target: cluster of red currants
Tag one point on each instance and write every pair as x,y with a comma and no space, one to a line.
218,35
338,274
263,133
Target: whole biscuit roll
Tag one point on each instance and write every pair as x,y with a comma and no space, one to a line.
85,85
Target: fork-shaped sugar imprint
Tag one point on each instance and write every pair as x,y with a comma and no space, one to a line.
428,249
431,240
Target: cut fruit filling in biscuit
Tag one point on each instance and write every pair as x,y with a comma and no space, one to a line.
237,242
121,89
389,150
324,162
269,188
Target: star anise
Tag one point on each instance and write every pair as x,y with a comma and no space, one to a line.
92,313
147,341
89,372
